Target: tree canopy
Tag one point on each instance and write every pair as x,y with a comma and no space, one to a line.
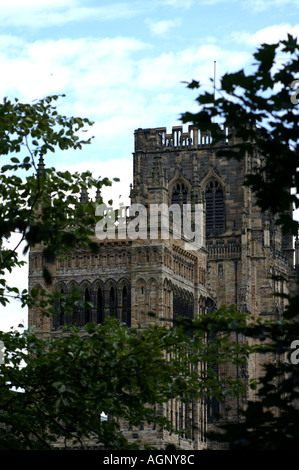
260,109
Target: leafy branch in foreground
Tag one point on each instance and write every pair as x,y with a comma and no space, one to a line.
41,205
56,390
263,121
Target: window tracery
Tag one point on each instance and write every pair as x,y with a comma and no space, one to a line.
214,196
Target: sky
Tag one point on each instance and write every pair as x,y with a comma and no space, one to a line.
124,65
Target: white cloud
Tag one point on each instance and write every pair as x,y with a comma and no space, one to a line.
168,70
106,81
80,65
41,14
12,314
254,6
121,168
31,12
178,3
269,35
8,5
162,27
262,5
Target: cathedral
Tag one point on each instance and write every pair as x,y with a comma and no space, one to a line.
141,279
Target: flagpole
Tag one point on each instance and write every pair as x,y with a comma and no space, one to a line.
214,79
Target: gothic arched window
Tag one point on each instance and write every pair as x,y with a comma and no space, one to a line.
100,309
60,318
179,194
112,302
87,311
125,315
61,309
214,207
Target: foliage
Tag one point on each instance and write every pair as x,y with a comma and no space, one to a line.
32,131
262,116
271,421
55,390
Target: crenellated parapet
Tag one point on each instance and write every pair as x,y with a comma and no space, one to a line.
158,138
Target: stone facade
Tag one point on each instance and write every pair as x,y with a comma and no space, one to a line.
152,279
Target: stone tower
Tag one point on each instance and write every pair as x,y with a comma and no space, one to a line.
140,280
